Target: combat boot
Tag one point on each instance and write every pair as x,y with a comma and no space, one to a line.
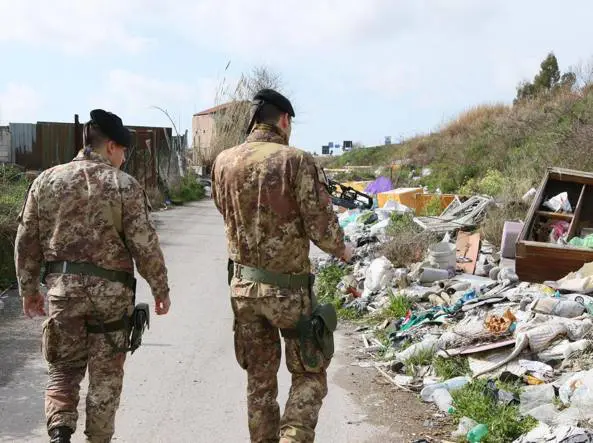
60,434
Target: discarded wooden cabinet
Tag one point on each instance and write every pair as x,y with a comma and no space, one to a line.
537,258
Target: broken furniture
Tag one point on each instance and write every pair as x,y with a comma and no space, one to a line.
542,249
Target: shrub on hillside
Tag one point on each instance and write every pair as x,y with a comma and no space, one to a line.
491,184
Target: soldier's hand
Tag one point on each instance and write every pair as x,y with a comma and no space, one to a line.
161,306
348,253
34,305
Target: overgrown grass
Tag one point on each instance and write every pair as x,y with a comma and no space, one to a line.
397,307
493,224
407,242
13,187
504,422
326,282
447,368
421,358
189,189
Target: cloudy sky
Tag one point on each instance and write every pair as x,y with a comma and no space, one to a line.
354,69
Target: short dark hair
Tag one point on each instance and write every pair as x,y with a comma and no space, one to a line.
92,136
268,114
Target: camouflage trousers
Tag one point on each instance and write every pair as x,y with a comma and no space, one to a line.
258,350
69,349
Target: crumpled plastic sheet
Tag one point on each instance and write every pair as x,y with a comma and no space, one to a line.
576,327
563,349
561,434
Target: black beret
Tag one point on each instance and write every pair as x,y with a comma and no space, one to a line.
112,126
275,98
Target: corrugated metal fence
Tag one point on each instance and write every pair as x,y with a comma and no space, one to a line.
41,145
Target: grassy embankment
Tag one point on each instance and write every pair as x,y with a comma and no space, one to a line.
500,150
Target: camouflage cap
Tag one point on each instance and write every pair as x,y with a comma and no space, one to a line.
112,126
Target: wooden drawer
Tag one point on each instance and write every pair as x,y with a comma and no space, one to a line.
537,259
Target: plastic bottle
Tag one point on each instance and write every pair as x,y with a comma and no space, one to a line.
450,385
476,434
469,295
443,400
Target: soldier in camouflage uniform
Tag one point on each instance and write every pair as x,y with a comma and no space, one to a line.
88,221
273,203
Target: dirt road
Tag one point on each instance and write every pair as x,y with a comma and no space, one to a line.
184,384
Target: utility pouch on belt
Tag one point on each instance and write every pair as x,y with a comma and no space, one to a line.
140,321
134,325
316,333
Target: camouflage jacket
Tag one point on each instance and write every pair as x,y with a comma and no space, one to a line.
88,211
273,203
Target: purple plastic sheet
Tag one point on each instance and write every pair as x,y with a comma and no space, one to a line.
382,184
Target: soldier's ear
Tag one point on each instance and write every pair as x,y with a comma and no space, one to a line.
284,121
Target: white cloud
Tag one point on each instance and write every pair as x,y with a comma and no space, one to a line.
72,26
19,103
394,55
244,29
313,27
133,97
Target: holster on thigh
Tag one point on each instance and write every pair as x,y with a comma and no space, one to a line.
315,335
53,344
239,342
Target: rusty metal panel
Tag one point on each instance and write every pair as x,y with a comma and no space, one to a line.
5,149
46,144
23,143
147,149
56,143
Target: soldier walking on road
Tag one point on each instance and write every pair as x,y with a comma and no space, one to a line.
274,203
88,221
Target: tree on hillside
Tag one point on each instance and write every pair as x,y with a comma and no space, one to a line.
547,80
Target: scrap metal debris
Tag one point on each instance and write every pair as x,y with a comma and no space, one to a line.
466,301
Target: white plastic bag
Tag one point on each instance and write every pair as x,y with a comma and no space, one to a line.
582,381
379,228
379,275
559,202
534,396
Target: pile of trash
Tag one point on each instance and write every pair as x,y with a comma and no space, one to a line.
468,302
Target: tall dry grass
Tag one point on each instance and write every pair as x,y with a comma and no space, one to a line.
230,122
474,118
